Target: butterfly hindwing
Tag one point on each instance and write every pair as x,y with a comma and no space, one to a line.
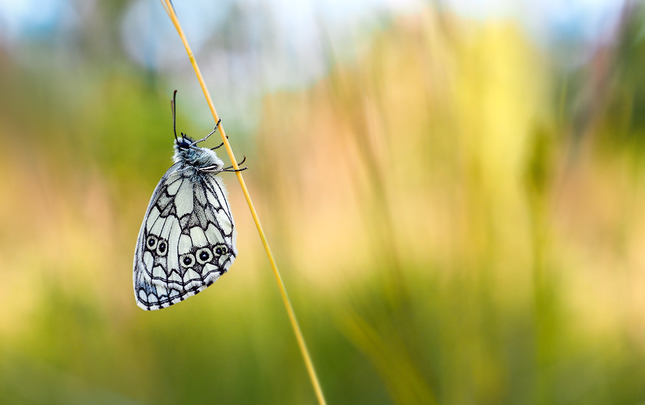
186,241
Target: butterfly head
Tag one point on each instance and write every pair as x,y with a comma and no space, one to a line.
184,143
188,153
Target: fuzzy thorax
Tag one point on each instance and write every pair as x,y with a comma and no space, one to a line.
188,154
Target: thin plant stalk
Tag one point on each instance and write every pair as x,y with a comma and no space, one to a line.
283,292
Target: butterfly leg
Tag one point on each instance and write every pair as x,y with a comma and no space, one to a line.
211,133
220,145
230,168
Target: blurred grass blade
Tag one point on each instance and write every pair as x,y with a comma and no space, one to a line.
405,383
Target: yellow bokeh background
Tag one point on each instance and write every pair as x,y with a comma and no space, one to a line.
456,216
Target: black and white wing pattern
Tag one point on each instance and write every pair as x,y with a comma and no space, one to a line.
187,238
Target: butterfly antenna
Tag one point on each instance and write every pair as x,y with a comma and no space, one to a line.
174,114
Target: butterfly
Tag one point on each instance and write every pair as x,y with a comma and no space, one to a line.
187,238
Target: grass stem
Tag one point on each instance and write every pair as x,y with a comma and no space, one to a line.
283,292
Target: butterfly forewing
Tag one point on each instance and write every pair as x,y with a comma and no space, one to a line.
187,238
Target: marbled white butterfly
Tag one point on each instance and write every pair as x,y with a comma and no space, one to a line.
187,238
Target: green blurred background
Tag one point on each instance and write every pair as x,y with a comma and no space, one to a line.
454,192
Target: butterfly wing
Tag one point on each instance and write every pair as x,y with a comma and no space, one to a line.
186,241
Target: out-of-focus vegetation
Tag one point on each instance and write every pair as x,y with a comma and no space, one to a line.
457,215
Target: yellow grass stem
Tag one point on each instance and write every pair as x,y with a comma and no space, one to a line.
285,298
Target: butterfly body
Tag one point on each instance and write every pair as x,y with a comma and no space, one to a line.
187,238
